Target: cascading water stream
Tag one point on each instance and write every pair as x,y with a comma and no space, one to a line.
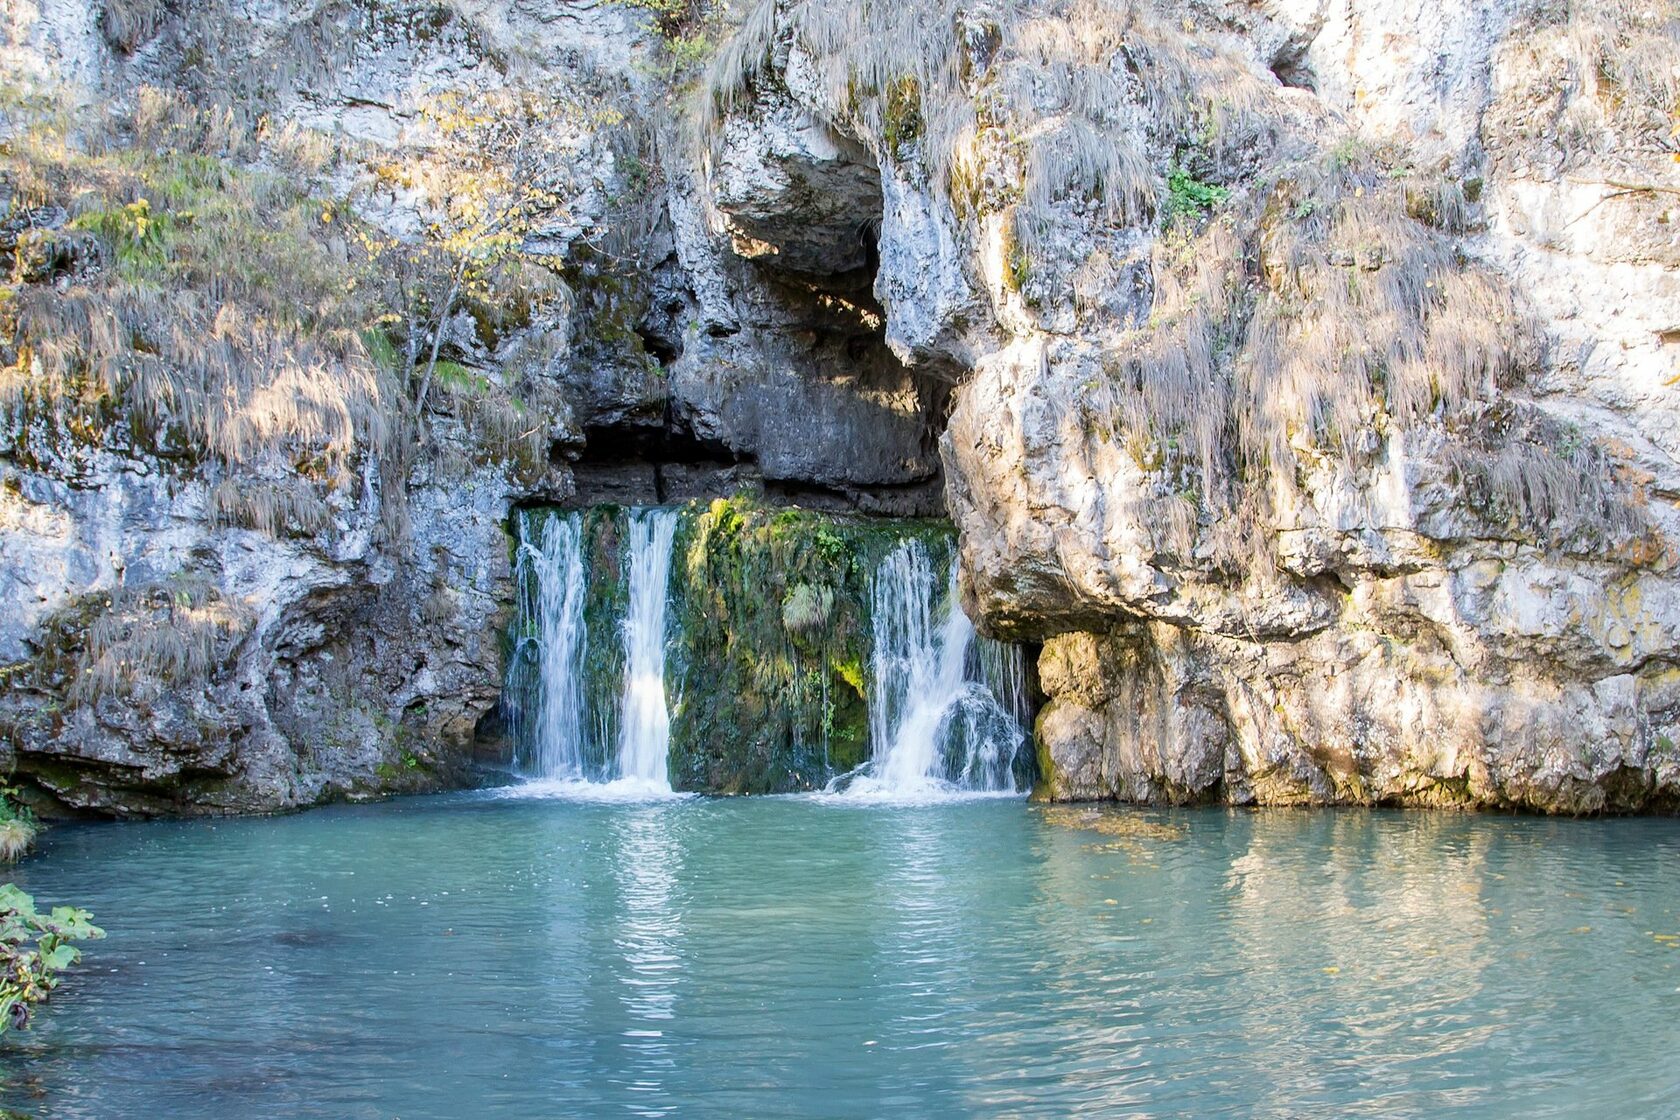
586,692
553,643
644,744
944,707
562,725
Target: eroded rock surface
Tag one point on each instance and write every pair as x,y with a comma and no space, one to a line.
1315,406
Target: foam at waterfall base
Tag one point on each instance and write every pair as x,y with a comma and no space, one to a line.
862,788
938,729
618,791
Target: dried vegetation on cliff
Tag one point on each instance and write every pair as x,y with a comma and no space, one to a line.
208,310
1302,293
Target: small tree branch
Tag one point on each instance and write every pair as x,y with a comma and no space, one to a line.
1619,189
437,340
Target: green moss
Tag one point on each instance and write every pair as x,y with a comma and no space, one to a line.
901,118
805,613
1455,790
1049,784
1017,262
850,671
610,305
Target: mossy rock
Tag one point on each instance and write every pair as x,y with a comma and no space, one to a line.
771,632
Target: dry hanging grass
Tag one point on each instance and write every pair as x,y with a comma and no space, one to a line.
1621,73
1080,96
224,327
126,24
1306,297
1305,322
276,507
161,635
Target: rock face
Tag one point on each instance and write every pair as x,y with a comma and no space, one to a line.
295,669
1317,415
1300,376
215,601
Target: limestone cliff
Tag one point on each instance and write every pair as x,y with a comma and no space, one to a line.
1317,405
300,305
1300,375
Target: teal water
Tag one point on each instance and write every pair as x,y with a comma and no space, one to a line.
474,956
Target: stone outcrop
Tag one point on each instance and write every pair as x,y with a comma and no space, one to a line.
1316,411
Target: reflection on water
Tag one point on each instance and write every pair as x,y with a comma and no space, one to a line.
523,957
647,866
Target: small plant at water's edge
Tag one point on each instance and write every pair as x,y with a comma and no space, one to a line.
17,826
34,949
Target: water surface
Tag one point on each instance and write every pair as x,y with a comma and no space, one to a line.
487,956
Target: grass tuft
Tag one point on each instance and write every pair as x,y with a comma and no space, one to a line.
163,635
17,836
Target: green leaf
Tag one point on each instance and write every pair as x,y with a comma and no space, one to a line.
13,898
61,957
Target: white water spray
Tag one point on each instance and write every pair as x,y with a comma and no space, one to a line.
644,744
936,722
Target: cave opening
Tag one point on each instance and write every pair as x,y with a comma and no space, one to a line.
807,237
791,392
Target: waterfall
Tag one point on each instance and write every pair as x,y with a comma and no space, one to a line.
586,702
945,707
1003,665
562,723
644,743
551,644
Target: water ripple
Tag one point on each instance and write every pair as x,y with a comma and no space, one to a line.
553,949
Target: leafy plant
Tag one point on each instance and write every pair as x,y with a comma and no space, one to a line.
141,238
833,548
676,19
1189,197
34,949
